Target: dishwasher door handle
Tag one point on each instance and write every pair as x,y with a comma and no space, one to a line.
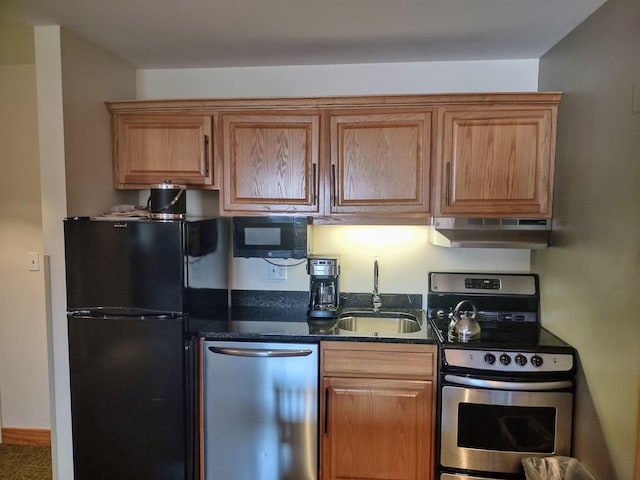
260,352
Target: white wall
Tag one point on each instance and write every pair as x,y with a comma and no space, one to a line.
405,257
323,80
405,262
24,380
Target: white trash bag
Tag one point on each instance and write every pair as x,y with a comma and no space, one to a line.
555,468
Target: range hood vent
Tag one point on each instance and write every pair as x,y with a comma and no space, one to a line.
526,233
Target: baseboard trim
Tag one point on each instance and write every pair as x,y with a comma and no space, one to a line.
26,436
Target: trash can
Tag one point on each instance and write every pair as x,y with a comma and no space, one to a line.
555,468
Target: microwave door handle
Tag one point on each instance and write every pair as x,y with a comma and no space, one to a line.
260,352
499,385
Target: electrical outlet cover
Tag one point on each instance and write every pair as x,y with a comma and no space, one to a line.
277,272
33,261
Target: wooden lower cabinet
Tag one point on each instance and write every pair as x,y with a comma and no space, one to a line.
377,411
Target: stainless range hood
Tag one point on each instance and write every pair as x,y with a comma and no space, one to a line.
526,233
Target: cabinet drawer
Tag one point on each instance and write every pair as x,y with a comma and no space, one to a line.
388,360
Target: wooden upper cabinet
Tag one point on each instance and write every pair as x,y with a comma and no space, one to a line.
496,160
150,148
380,162
378,159
270,161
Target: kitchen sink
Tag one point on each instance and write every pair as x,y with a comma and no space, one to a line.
378,323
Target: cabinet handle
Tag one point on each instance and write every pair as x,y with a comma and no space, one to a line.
333,184
314,193
447,187
206,155
326,411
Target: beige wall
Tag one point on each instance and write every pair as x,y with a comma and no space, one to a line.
32,208
73,133
16,44
24,383
591,278
91,76
598,145
73,130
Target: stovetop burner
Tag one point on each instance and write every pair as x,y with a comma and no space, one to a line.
507,337
522,334
507,309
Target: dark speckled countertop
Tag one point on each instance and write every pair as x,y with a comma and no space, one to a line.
282,317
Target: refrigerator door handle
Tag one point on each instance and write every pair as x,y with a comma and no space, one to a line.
260,352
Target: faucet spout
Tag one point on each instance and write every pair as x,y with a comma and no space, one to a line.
377,302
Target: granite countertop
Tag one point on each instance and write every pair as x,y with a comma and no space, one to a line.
287,322
292,325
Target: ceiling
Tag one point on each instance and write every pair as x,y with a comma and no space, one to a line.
223,33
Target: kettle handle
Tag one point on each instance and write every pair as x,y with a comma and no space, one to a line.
456,310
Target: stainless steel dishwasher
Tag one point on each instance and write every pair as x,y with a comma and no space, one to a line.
260,411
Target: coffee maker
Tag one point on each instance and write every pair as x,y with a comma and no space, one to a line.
324,292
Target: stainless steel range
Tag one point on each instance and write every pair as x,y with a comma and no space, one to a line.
506,384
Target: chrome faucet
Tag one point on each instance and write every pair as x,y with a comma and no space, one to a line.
377,303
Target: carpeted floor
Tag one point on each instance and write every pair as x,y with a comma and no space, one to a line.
21,462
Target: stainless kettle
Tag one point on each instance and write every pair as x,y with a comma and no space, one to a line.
464,327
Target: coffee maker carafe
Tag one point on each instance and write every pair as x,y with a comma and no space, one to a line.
324,293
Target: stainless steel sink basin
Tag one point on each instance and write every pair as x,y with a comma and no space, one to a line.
378,323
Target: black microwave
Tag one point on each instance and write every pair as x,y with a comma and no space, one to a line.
270,237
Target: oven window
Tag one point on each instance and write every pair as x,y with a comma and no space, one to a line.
506,428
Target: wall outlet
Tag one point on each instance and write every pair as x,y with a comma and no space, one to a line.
277,272
33,261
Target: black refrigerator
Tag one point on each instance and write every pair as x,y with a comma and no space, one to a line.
137,290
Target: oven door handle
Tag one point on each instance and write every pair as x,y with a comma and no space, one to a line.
499,385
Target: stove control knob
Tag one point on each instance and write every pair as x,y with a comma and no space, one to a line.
489,358
505,359
521,360
536,360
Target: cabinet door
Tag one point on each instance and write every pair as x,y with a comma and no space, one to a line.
151,148
496,161
270,162
380,162
377,429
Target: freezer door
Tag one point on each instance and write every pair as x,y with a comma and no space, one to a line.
130,416
261,411
137,264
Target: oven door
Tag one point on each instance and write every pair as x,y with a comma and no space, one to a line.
489,425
